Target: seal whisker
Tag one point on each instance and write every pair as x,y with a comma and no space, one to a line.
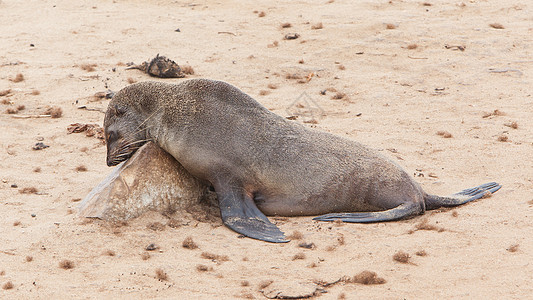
119,151
150,116
126,152
132,134
121,155
137,142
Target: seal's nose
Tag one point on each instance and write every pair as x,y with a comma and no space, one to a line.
109,161
109,164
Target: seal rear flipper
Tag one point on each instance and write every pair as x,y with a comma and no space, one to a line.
240,213
256,229
399,212
462,197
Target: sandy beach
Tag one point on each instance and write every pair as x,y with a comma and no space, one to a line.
443,88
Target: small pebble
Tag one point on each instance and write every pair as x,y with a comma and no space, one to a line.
40,146
152,247
292,36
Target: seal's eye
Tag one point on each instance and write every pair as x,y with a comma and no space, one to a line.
112,136
117,110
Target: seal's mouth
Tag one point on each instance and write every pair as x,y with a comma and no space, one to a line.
113,161
123,152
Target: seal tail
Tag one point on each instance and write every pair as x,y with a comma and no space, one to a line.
462,197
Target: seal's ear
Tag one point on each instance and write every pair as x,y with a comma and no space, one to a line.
117,110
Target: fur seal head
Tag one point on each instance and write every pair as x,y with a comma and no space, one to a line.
124,132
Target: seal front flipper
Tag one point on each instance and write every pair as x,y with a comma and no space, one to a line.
240,213
399,212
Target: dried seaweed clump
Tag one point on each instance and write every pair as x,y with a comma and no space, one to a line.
81,168
188,243
28,190
8,285
18,78
173,223
296,235
187,70
5,92
88,67
496,26
203,268
338,96
503,138
293,76
366,277
55,112
513,125
11,111
299,255
401,257
424,225
494,113
513,248
156,226
89,129
215,257
161,275
66,264
444,134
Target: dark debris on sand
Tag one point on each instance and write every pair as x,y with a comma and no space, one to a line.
161,67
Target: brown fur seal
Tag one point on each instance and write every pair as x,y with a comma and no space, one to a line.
262,164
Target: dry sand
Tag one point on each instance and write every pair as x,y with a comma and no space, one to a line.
408,70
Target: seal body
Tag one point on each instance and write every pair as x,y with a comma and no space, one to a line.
260,163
